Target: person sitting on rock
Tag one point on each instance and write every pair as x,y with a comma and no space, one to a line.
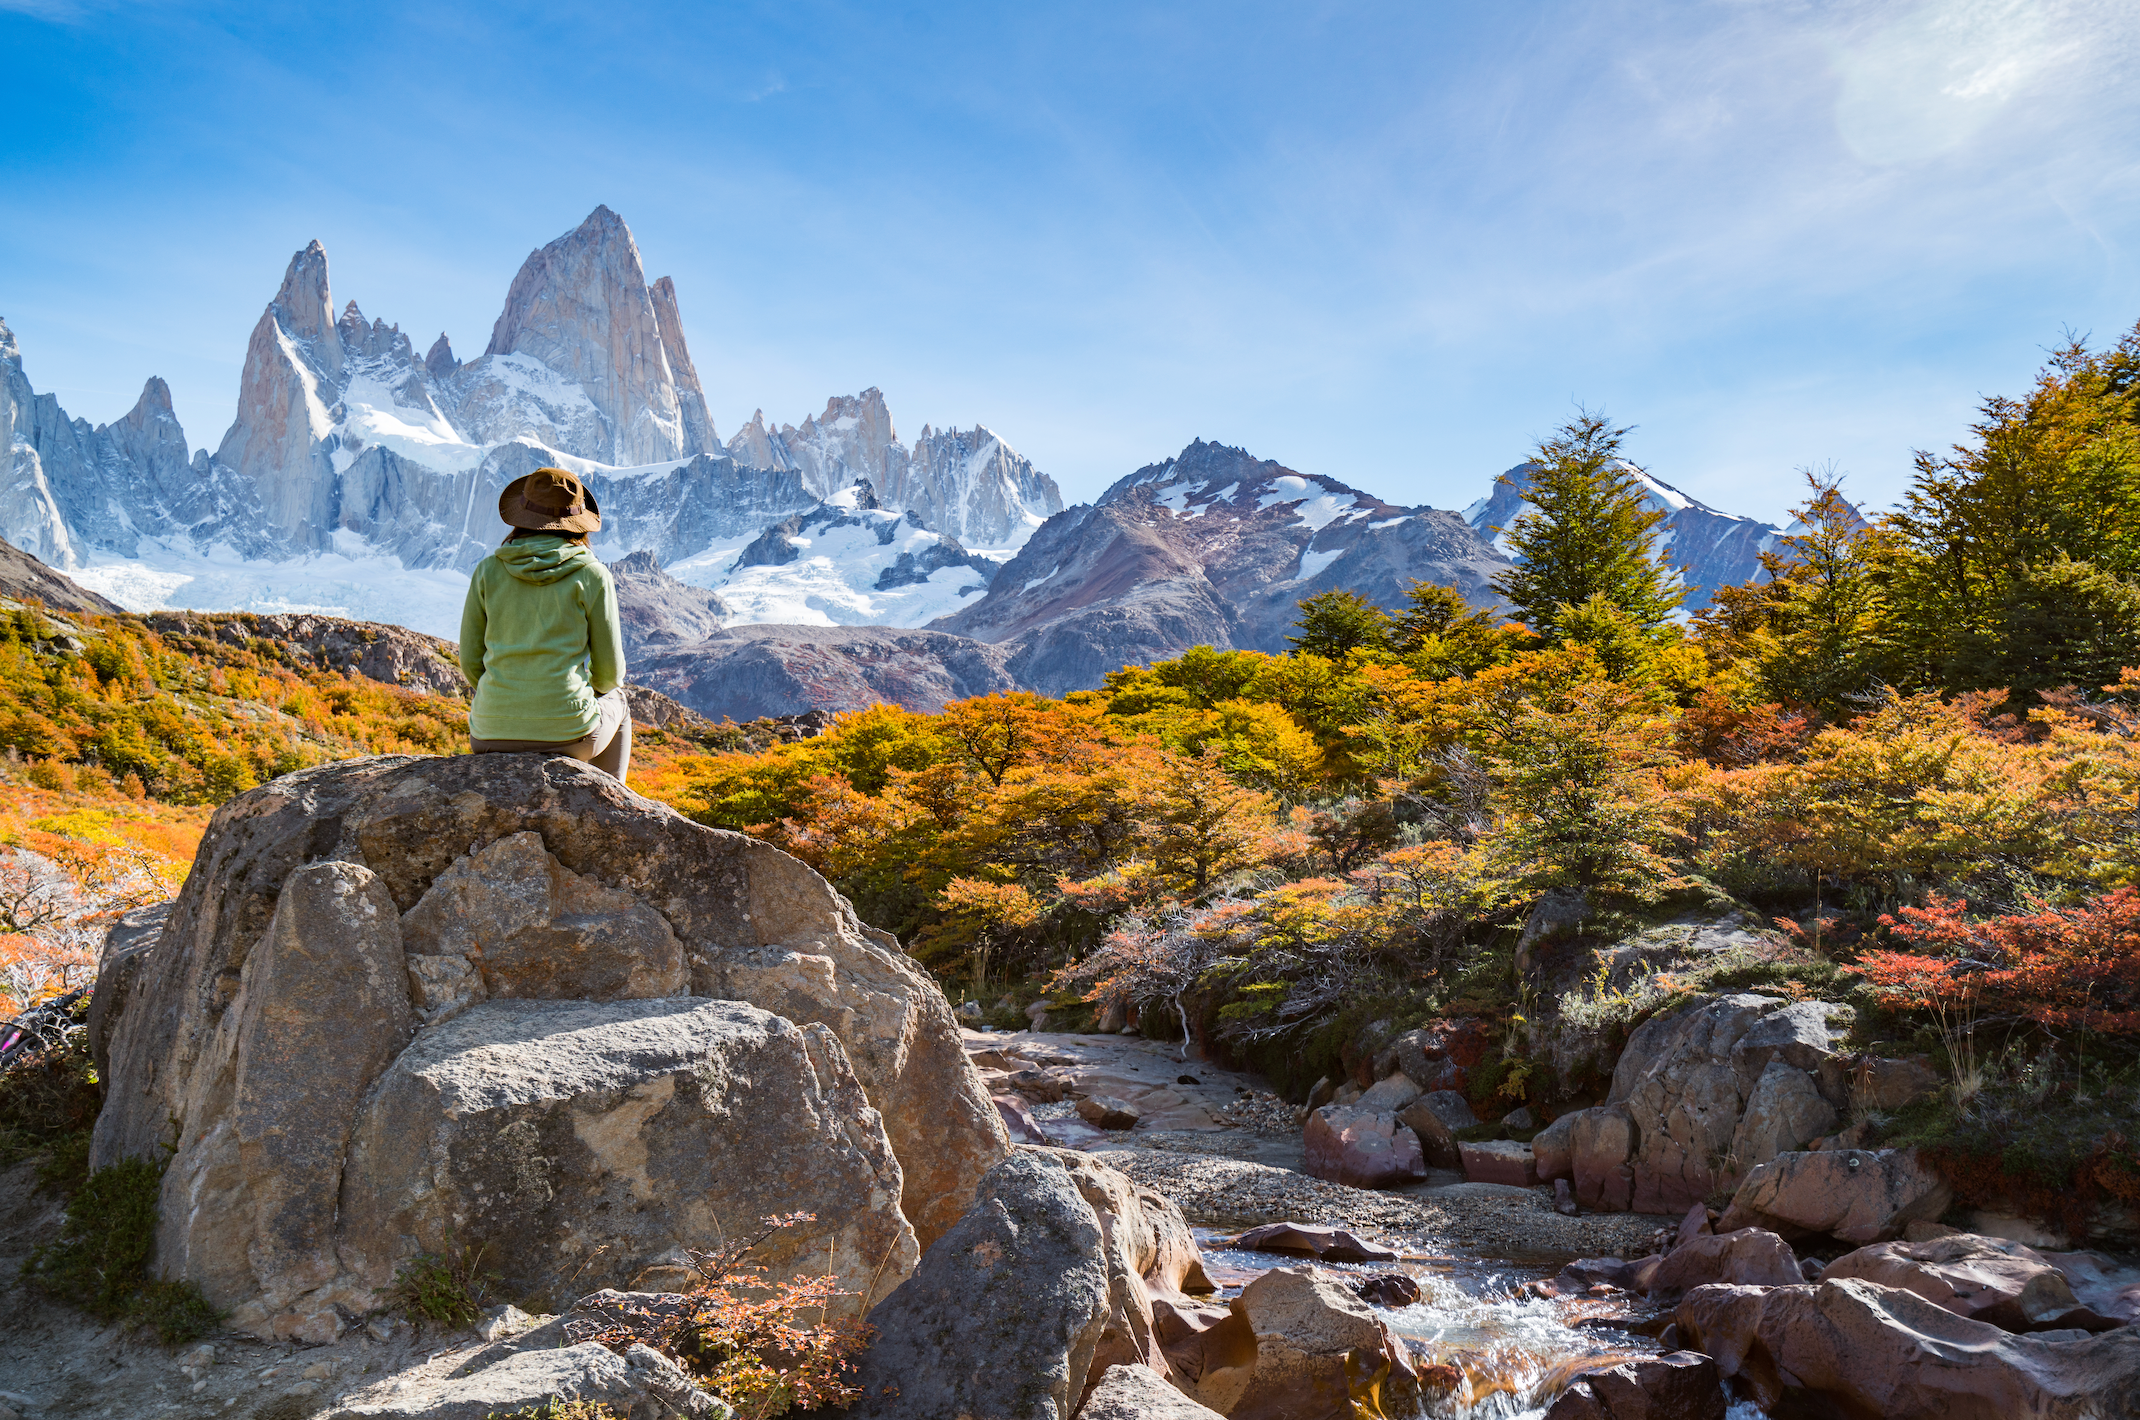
540,637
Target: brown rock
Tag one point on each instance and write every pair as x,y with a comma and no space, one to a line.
1499,1161
249,1203
1318,1350
1749,1257
1990,1279
1696,1224
1389,1095
1107,1112
1024,1129
1360,1147
1388,1289
1680,1385
1307,1240
1856,1348
1439,1056
1435,1117
1601,1146
1552,1150
1858,1195
536,930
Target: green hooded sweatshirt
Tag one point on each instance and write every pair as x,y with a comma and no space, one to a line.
540,639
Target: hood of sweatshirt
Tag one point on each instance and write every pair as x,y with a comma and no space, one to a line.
542,560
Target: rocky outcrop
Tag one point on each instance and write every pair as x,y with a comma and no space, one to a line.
1704,1095
1854,1347
967,484
393,655
1006,1311
25,579
1749,1257
547,882
1435,1116
658,612
581,307
751,671
1857,1195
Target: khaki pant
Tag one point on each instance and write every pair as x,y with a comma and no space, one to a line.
608,746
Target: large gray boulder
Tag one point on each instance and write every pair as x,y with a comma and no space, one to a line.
528,1375
1004,1315
249,1202
585,1143
1134,1392
754,924
1686,1081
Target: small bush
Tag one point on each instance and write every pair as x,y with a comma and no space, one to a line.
100,1262
559,1408
448,1289
48,1102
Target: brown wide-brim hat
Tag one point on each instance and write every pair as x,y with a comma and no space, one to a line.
550,500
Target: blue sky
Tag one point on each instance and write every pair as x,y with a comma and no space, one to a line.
1389,242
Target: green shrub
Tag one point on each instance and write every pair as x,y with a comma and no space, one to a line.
448,1288
100,1261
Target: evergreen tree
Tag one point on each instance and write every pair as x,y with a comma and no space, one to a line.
1586,532
1333,624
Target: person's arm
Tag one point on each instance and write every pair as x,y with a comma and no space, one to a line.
474,622
605,636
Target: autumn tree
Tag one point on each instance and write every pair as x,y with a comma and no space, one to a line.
1195,821
1586,531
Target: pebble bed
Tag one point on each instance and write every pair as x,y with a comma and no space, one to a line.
1233,1193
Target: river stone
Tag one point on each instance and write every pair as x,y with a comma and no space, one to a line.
1782,1114
1749,1257
1858,1195
1330,1244
1135,1392
756,925
533,928
1854,1347
1317,1345
1360,1147
249,1201
1989,1279
581,1143
1018,1119
1680,1385
1435,1117
1390,1095
1107,1112
1601,1143
1500,1161
1003,1316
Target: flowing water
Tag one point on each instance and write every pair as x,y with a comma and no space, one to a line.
1516,1351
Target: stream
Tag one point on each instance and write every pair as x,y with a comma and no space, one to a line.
1516,1351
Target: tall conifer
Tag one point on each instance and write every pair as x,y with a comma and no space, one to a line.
1586,532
